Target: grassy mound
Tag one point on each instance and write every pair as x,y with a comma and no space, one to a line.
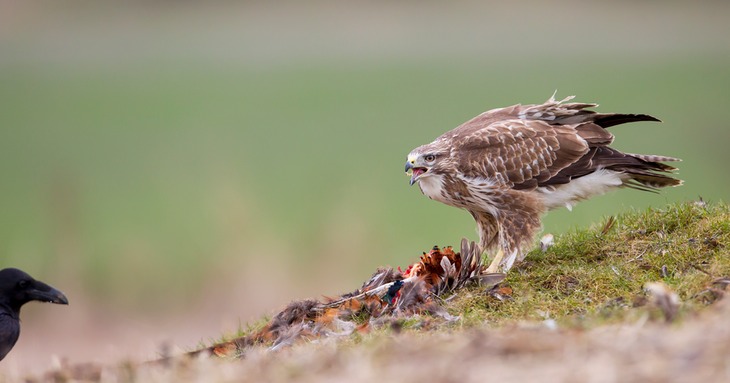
576,310
598,274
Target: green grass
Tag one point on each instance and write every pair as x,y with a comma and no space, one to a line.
589,276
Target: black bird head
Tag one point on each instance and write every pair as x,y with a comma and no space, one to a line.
18,288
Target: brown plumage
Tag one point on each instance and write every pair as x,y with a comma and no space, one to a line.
508,166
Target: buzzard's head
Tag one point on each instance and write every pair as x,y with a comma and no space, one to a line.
424,162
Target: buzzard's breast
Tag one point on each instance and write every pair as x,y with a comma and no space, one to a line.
432,187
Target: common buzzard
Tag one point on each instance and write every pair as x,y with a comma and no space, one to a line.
508,166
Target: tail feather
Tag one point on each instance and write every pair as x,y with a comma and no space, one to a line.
631,184
649,179
644,171
656,158
641,171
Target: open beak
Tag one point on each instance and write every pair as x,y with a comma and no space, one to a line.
44,293
414,172
409,172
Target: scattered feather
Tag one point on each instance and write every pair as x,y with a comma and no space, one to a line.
722,282
546,241
664,298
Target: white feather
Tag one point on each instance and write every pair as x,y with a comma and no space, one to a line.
546,241
431,186
510,260
599,182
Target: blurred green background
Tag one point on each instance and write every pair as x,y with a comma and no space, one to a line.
159,156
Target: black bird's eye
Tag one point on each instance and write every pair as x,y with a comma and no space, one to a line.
429,158
23,283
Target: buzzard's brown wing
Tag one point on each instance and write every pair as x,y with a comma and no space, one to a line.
524,147
519,153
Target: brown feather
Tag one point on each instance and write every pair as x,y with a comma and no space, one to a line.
594,134
515,151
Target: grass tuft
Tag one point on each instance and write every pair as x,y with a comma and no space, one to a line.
595,275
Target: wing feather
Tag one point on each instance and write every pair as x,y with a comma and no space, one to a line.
518,153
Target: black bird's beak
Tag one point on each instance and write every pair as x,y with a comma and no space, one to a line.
44,293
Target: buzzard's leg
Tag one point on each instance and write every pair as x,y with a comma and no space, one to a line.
494,266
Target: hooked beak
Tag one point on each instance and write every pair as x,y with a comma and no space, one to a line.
414,172
44,293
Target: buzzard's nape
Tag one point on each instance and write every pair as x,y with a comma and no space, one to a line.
508,166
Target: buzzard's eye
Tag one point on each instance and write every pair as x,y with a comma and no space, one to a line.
429,158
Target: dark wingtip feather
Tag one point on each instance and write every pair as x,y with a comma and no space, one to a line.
608,120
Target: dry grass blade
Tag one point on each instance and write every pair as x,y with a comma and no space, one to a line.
608,225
